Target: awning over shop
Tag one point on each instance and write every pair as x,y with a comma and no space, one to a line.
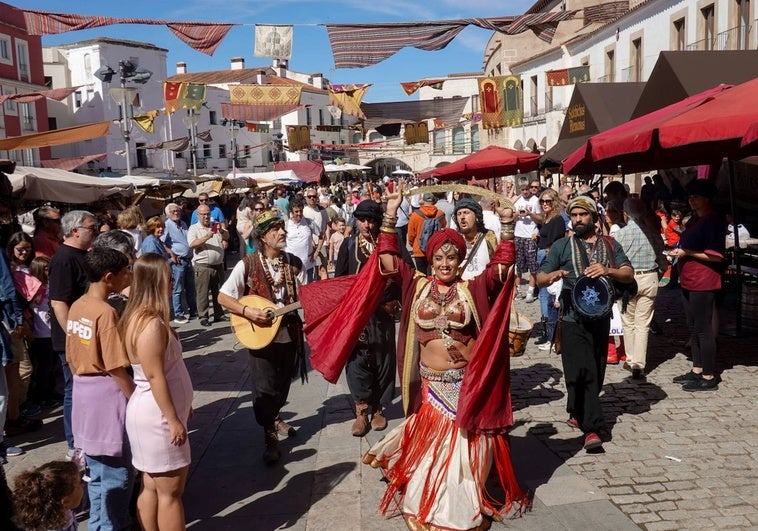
447,110
678,75
60,186
594,107
309,171
71,163
57,137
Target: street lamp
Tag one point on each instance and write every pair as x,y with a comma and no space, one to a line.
232,132
124,96
190,122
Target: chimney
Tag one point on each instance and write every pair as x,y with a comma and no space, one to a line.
317,80
181,68
238,63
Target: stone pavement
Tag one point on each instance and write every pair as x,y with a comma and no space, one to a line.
676,460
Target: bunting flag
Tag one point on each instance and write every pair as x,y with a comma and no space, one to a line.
201,36
579,74
605,12
256,113
513,109
172,92
335,111
58,94
412,86
146,121
264,95
56,137
298,137
205,136
273,41
491,102
557,78
70,164
348,98
193,96
176,145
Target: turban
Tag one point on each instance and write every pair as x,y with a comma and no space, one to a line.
368,209
440,238
264,222
473,206
584,202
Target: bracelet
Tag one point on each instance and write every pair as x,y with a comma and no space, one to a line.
388,224
243,311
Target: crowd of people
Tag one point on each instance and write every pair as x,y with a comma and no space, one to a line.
91,304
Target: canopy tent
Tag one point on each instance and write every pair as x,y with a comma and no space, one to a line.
447,110
677,75
492,161
333,168
262,179
153,184
56,137
309,171
61,186
594,107
750,140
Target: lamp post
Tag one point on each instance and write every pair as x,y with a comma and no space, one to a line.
124,97
190,122
234,129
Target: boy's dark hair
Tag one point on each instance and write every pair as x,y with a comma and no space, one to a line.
102,260
676,212
296,203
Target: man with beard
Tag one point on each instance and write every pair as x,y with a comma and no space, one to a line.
480,242
269,272
370,370
584,342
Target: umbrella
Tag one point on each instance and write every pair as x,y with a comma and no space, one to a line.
492,161
697,130
750,140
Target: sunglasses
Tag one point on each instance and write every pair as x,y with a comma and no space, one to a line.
258,209
546,201
23,249
311,196
535,187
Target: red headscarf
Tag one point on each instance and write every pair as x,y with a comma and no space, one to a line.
440,238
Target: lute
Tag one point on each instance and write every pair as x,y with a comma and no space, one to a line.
253,336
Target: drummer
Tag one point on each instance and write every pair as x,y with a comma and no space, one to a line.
584,339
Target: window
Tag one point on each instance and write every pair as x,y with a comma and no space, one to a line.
212,118
28,122
9,106
320,117
207,151
610,66
88,66
91,97
6,53
709,22
533,95
308,119
22,56
474,138
679,35
475,103
222,151
636,59
439,141
743,24
459,140
77,99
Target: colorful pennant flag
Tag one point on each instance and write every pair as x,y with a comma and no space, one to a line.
491,102
412,86
171,94
146,121
348,98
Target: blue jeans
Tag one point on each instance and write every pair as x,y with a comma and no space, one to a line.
109,490
68,394
184,281
544,296
3,398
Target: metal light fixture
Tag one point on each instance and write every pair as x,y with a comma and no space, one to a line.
234,128
125,97
190,122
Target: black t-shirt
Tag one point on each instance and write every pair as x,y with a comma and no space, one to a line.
552,231
68,282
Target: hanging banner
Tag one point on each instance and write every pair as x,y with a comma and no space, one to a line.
171,93
146,121
557,78
348,98
579,74
193,96
298,137
490,101
513,109
273,41
264,95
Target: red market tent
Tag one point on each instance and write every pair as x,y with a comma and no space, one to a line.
309,171
492,161
750,140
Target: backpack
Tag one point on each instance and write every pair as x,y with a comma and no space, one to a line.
430,226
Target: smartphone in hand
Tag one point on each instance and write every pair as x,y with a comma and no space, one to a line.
214,227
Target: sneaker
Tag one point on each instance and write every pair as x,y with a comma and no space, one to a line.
545,346
573,423
592,441
180,320
9,451
701,385
205,322
689,376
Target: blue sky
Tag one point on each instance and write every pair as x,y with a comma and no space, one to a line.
311,50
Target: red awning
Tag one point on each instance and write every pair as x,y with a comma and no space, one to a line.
309,171
492,161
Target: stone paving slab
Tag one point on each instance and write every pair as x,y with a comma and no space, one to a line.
676,460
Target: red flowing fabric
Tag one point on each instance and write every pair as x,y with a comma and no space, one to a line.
336,312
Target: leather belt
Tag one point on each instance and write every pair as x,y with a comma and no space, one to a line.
645,271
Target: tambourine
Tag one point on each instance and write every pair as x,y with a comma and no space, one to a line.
593,298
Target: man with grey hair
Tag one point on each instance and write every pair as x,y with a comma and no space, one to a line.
565,193
644,248
47,231
175,238
68,282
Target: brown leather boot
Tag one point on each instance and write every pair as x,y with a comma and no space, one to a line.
271,454
361,425
378,420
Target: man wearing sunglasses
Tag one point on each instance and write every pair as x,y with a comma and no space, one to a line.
320,223
217,216
529,216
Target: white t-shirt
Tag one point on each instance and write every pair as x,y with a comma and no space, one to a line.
492,222
300,241
526,227
209,253
319,218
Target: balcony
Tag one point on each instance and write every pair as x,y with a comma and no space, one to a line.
702,45
733,39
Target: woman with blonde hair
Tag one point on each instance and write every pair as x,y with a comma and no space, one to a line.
158,411
553,228
130,220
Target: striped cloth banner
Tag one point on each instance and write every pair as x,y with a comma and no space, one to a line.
605,12
257,113
201,36
58,94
